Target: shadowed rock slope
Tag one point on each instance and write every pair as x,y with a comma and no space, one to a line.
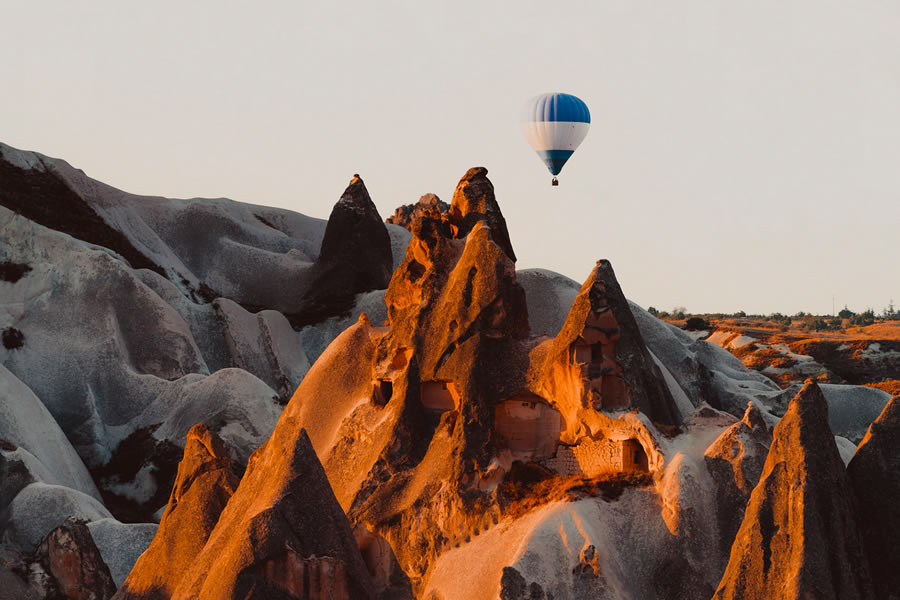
735,461
875,475
799,538
355,257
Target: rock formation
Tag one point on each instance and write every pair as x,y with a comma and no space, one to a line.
204,484
67,564
283,514
483,431
428,205
444,419
355,257
799,537
875,475
474,201
735,461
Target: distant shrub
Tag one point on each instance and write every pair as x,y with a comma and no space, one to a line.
863,319
813,323
696,323
13,338
780,319
12,272
652,310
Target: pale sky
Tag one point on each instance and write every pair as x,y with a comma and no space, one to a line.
742,156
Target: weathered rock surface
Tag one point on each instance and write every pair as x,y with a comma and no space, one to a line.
110,360
875,476
68,564
474,201
282,533
355,257
706,372
39,508
799,537
428,205
619,367
205,482
121,544
445,420
26,424
735,462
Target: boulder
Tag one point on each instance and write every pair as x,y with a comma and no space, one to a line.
68,564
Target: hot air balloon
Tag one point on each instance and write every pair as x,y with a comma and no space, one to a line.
554,125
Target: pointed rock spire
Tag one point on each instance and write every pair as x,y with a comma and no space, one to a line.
621,372
204,484
799,537
875,475
474,201
355,257
282,534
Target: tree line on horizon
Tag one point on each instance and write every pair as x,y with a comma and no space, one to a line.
812,322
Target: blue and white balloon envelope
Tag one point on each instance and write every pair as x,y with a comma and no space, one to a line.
554,125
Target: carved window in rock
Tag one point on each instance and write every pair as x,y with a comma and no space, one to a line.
528,426
634,458
382,391
439,396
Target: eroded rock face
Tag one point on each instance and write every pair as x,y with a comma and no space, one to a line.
875,476
205,482
452,417
428,205
68,565
474,201
282,533
799,537
601,335
735,461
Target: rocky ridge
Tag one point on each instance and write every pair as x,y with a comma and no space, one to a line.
547,438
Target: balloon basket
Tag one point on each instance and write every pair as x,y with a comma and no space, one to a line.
554,182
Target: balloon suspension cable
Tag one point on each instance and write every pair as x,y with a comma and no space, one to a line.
555,181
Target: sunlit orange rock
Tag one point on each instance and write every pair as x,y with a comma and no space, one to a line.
204,484
875,476
433,426
601,335
799,537
428,205
474,201
282,534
